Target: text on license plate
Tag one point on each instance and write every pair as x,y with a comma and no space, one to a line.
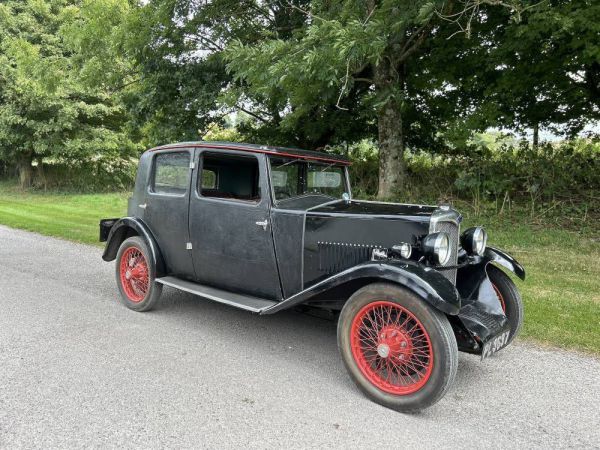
494,344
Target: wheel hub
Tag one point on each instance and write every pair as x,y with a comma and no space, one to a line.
394,342
383,350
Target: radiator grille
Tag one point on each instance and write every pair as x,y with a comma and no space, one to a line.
452,229
335,257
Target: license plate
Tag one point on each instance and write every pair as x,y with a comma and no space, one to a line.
494,344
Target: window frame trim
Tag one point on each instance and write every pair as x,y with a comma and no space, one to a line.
218,153
152,178
275,202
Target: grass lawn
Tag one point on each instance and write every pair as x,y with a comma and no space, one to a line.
561,292
69,216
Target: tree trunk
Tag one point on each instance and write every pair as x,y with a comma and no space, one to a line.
391,151
41,174
25,171
536,135
390,133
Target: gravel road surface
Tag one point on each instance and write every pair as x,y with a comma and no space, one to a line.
77,369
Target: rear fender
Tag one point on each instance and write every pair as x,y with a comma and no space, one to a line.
429,284
121,230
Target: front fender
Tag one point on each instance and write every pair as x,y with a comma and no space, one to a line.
505,260
429,284
119,232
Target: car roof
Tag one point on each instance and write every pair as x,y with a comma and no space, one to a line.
254,148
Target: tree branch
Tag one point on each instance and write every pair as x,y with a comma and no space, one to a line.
253,114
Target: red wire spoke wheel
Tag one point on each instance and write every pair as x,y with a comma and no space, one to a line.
509,298
391,348
500,297
399,350
134,274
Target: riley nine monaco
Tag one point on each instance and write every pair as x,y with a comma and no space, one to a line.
266,229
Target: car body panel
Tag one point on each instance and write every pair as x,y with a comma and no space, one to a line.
343,234
427,283
229,247
167,216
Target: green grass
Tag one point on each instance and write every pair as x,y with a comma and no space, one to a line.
561,292
69,216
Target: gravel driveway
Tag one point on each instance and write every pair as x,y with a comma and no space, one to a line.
77,369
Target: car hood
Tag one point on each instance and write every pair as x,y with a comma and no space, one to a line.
360,209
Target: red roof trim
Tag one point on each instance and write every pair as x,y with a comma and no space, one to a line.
253,150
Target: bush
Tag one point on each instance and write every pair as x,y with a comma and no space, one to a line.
97,175
560,177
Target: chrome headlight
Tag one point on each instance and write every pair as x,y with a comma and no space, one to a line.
474,241
437,245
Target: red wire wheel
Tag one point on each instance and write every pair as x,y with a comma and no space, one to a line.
391,348
134,274
500,297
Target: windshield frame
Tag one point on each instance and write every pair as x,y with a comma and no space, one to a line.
326,198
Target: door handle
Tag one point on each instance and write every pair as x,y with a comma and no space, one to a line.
263,224
143,206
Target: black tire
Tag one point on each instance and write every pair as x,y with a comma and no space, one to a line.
441,337
509,295
146,298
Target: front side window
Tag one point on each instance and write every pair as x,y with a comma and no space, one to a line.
294,178
229,177
171,172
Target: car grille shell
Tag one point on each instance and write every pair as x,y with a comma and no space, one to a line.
448,221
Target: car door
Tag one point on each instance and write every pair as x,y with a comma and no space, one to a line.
230,229
166,208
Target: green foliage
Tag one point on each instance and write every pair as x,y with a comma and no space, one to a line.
45,109
560,180
218,133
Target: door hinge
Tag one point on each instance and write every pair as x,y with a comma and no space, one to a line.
192,165
188,246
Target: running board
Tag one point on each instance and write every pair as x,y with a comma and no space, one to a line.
254,304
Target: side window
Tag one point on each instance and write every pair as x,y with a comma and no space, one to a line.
286,178
229,177
171,172
209,179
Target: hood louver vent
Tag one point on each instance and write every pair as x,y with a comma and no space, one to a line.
335,257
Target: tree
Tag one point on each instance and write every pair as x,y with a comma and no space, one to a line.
44,109
364,50
550,73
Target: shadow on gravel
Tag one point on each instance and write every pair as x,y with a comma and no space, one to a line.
313,340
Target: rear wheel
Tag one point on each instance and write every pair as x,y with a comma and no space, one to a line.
135,275
398,350
509,298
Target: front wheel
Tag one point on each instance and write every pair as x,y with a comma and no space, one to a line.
509,298
399,351
135,275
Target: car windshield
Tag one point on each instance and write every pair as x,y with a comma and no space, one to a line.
292,178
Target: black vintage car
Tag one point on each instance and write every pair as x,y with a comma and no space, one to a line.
266,229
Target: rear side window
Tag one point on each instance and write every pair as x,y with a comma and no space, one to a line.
171,172
229,177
